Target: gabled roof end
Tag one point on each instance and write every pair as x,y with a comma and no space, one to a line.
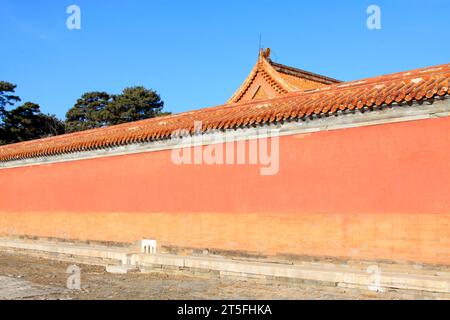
269,79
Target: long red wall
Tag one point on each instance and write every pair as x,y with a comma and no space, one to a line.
369,192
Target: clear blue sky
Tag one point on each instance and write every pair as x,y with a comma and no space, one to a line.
196,53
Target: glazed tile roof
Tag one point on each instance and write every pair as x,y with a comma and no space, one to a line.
419,84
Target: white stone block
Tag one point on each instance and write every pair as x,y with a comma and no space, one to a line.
148,246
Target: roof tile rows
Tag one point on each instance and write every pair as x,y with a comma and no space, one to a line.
419,84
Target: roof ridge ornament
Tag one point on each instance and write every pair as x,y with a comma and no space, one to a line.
264,53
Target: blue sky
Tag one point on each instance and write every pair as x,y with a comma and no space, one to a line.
196,53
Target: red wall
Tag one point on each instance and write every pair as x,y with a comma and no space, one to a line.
348,182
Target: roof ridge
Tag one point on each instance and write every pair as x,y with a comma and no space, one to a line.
301,71
397,75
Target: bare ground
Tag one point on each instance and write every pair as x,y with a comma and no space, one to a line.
24,277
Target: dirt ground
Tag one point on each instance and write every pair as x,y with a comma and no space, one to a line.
24,277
